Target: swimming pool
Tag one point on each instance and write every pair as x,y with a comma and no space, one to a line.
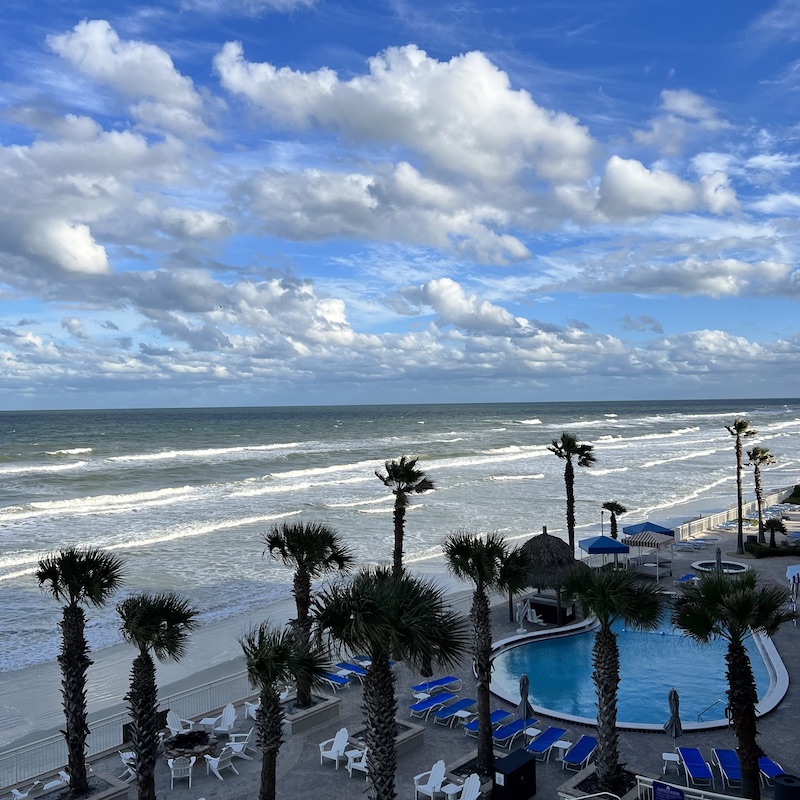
560,672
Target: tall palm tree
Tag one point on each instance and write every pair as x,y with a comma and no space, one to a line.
314,549
77,577
733,608
616,510
740,428
611,596
774,525
490,565
759,457
568,448
404,479
272,657
159,625
379,614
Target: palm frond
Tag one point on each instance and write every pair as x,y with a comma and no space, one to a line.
158,622
81,575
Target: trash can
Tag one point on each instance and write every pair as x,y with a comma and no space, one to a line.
752,538
515,776
787,787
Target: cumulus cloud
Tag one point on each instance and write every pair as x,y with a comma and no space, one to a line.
642,323
74,327
70,247
446,111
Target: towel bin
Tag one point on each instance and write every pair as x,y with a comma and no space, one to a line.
515,776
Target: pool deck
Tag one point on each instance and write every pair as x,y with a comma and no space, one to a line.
301,777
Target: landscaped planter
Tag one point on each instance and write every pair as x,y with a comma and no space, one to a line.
324,709
409,737
569,788
114,789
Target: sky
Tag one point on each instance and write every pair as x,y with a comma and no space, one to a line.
301,202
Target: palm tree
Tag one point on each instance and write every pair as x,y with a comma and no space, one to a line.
611,596
272,657
567,448
159,625
733,608
741,427
490,565
314,549
759,457
774,525
379,614
404,479
616,510
77,577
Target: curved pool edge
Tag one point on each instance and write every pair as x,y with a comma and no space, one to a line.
778,681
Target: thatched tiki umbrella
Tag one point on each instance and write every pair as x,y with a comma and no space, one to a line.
550,561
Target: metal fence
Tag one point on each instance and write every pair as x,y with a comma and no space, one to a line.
50,754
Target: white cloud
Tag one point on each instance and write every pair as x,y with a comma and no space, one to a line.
70,247
717,193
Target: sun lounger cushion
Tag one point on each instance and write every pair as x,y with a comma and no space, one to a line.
449,682
497,716
578,756
334,681
729,767
698,772
424,707
504,736
446,715
543,744
769,769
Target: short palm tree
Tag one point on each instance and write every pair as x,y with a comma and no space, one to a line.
733,608
740,428
774,525
159,625
492,566
379,614
759,457
314,549
616,510
404,479
568,448
272,658
612,596
77,577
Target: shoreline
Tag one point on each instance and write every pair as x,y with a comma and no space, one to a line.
30,702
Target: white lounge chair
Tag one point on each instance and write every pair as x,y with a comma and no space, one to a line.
357,760
56,783
128,758
429,783
21,794
226,721
240,743
180,767
177,725
222,761
333,749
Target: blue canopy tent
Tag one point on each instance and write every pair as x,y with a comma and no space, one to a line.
647,527
603,545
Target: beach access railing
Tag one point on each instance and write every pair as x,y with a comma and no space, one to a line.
696,526
50,753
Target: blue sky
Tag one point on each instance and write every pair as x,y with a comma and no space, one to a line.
257,202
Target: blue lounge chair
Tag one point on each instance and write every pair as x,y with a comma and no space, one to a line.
542,745
690,577
497,716
730,769
448,682
447,715
336,682
504,736
768,769
355,669
698,771
422,708
580,754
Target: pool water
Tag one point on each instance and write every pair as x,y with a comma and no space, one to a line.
560,672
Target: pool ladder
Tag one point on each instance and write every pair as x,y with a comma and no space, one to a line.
700,715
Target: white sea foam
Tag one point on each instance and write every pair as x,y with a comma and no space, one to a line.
535,477
43,469
596,473
388,498
72,451
204,453
685,457
533,421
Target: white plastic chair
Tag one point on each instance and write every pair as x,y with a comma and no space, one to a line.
429,783
251,708
21,794
180,767
333,749
471,790
222,761
240,743
129,762
226,721
357,760
177,725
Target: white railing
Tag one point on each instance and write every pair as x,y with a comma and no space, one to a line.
50,753
644,787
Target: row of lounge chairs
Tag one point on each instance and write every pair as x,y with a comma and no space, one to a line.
699,773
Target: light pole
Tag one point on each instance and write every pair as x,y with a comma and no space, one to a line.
602,521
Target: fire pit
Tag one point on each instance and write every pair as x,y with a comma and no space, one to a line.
193,743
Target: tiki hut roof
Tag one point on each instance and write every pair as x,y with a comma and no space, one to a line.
550,561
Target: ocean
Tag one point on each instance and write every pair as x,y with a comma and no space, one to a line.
184,495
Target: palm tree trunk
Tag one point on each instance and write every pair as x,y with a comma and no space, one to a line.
740,533
742,699
399,528
380,709
482,652
605,658
302,599
74,661
613,525
569,481
269,722
760,503
143,704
